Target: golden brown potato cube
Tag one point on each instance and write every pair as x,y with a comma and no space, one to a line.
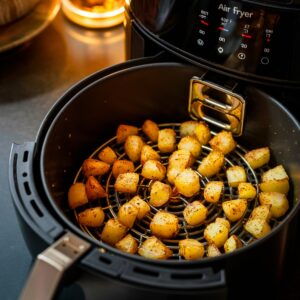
94,189
94,167
280,186
124,131
77,195
277,173
148,153
160,194
153,169
151,130
188,128
180,159
234,209
127,244
213,250
164,225
190,144
279,202
142,206
262,212
127,214
93,217
213,191
211,164
216,233
202,133
155,249
246,191
166,140
127,183
235,175
113,232
257,227
187,183
223,141
108,155
191,249
224,222
258,157
133,147
122,166
195,213
232,244
172,173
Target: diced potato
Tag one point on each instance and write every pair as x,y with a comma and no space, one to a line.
153,169
258,157
236,175
164,225
166,140
232,244
277,173
223,141
107,155
160,194
133,147
211,164
113,232
94,189
234,209
127,214
180,159
127,244
148,153
190,144
257,227
187,183
94,167
151,130
280,186
191,249
246,190
155,249
142,206
224,222
213,250
279,202
188,128
122,166
262,212
213,191
202,132
195,213
127,183
93,217
172,173
77,195
216,233
125,131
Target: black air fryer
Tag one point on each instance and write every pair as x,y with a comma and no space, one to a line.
243,55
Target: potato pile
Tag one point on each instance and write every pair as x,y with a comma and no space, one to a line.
175,168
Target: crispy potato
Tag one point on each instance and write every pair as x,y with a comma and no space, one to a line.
213,191
246,191
127,214
187,183
164,225
279,202
213,250
188,128
211,164
160,194
190,144
127,183
195,213
234,209
258,157
280,186
166,140
125,131
127,244
216,233
236,175
113,232
93,217
148,153
77,195
155,249
223,141
151,130
232,243
277,173
133,147
257,227
107,155
142,206
153,169
94,167
191,249
172,173
262,212
180,159
224,222
122,166
202,133
94,189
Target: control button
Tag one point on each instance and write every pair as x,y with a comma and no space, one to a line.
200,42
220,49
265,60
241,55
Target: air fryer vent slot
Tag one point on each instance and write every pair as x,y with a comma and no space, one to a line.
185,276
36,208
146,272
